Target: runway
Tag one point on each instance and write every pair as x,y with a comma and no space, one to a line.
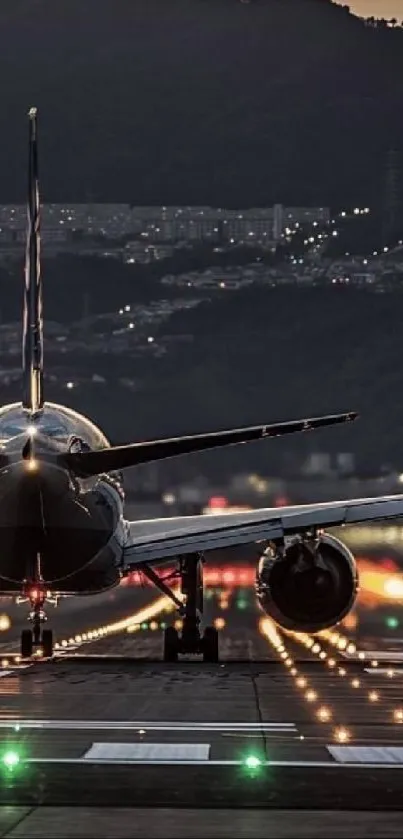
281,724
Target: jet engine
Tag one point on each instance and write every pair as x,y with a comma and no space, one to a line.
309,584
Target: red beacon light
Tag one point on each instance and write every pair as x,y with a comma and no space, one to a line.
218,502
35,593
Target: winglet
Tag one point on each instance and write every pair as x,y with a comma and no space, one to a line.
32,337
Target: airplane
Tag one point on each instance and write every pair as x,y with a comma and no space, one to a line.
62,525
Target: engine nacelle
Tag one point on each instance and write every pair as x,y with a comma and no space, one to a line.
308,585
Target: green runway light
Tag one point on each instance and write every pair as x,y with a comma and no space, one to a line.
253,762
241,603
11,759
392,622
163,625
144,625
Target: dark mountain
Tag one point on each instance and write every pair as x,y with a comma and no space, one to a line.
199,101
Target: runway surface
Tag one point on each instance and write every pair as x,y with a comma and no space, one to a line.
282,724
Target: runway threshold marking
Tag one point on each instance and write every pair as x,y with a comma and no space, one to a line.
367,754
14,671
149,751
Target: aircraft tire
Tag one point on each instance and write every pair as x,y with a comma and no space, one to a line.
210,645
47,643
171,644
27,643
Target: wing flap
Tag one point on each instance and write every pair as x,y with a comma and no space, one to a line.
149,541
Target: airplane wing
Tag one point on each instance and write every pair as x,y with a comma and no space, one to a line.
157,539
115,458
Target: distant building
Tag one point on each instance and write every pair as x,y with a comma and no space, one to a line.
263,225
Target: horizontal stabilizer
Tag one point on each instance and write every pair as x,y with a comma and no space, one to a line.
86,464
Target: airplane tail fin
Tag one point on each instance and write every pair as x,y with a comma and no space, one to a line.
32,337
86,464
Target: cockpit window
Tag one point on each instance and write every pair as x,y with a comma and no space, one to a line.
12,426
53,429
56,421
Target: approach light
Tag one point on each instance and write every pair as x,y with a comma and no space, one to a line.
324,714
342,735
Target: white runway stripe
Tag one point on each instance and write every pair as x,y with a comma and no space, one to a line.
148,751
14,671
383,655
384,671
128,725
367,754
332,765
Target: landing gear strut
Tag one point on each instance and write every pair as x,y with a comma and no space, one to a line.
189,641
36,637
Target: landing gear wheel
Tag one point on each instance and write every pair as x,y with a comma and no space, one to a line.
27,643
189,641
47,643
171,644
210,645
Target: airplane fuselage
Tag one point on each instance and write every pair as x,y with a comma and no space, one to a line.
73,528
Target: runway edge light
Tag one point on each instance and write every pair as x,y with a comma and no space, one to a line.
253,764
10,759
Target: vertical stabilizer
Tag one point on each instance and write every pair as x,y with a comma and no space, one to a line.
32,337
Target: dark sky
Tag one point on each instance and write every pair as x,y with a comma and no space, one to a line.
197,101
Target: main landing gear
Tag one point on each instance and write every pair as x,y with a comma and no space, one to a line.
36,637
189,640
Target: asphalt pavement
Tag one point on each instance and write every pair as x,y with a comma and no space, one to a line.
284,737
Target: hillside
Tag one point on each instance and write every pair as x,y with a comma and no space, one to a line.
199,101
281,354
261,356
